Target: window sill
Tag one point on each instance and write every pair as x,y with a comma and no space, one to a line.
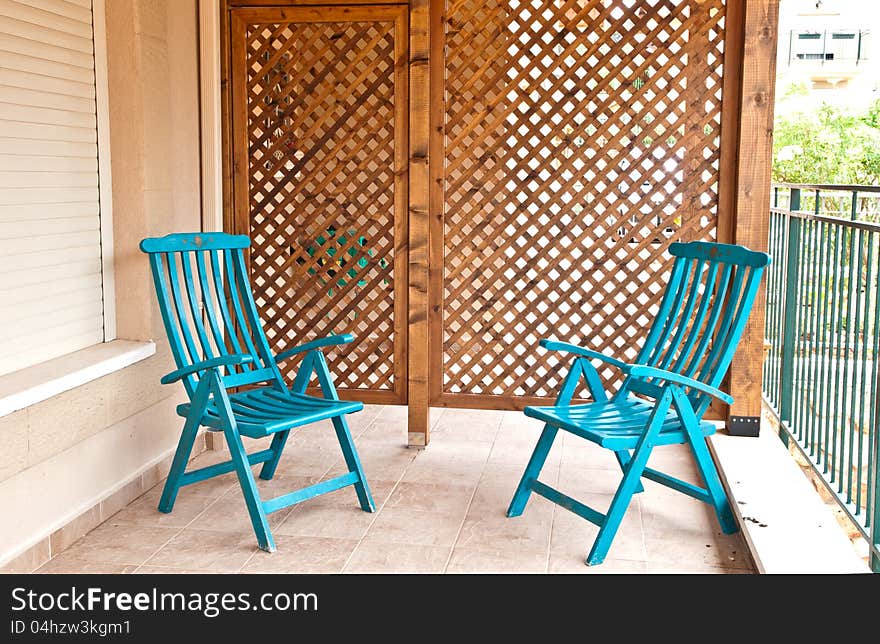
29,386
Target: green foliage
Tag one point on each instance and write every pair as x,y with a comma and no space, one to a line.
827,145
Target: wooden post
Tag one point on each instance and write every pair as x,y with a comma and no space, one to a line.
752,211
419,134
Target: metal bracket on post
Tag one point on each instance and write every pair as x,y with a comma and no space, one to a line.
744,425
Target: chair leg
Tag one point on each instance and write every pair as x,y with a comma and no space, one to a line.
704,462
713,484
178,464
349,452
242,467
279,440
620,503
533,470
623,458
630,481
184,446
300,383
249,490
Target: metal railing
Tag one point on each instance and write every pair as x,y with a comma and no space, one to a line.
823,325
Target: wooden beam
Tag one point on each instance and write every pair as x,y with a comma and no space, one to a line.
419,223
437,253
754,157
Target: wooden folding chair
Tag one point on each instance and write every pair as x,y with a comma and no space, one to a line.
666,391
218,343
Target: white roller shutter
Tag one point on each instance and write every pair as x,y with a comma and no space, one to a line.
51,293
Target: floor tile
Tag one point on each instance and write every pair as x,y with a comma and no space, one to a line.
431,497
144,511
65,564
442,508
566,563
577,480
207,551
230,514
347,497
677,569
402,525
508,476
373,556
165,570
305,555
694,553
573,536
461,471
112,543
315,520
527,533
487,560
493,500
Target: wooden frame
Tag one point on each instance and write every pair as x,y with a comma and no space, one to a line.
439,395
750,218
746,124
418,349
236,200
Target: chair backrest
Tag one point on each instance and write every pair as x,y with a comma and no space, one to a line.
702,315
207,304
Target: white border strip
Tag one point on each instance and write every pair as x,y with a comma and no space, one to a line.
209,104
105,178
42,381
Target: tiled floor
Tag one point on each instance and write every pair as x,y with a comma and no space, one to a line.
440,510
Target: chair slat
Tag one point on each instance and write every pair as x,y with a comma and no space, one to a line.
709,369
699,318
248,377
714,315
157,266
247,295
180,310
662,313
728,343
668,323
195,307
220,290
685,324
208,299
183,242
241,320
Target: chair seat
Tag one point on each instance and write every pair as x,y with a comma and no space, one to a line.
614,424
263,411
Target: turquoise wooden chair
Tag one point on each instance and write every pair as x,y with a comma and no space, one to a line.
218,343
665,392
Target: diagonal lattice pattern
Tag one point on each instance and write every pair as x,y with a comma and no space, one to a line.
320,105
582,137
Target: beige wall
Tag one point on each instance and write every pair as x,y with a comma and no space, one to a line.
63,456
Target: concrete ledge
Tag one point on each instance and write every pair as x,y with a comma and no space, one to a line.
787,526
29,386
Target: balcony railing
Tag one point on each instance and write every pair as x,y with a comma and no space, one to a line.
823,326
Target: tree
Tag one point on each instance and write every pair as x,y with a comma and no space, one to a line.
828,145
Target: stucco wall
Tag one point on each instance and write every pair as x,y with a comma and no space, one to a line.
64,456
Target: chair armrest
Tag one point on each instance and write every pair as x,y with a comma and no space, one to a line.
556,345
204,365
330,340
644,371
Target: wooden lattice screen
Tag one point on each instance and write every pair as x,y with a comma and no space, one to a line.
319,125
581,138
